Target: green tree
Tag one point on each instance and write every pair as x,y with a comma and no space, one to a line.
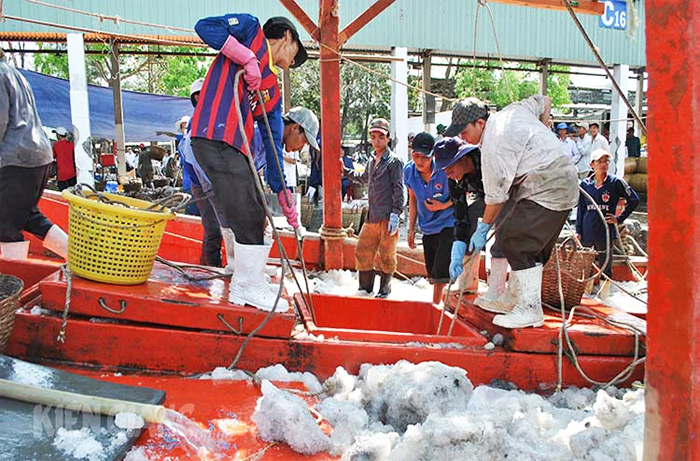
501,87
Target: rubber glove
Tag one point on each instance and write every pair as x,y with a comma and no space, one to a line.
478,240
459,248
286,200
244,56
393,226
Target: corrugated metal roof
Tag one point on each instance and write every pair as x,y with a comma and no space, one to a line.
446,25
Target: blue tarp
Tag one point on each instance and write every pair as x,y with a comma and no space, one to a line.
144,113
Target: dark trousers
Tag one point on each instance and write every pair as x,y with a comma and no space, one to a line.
529,234
211,244
67,183
20,191
234,185
601,248
436,250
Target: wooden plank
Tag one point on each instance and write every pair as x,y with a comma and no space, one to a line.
580,6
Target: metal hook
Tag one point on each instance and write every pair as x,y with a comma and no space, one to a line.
103,305
228,325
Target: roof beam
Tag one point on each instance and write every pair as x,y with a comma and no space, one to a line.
300,15
363,19
580,6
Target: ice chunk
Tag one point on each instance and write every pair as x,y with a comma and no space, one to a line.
79,444
371,447
610,412
128,421
408,393
347,418
279,373
284,417
137,454
223,373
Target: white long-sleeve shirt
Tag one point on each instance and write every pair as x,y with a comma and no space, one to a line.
517,148
599,142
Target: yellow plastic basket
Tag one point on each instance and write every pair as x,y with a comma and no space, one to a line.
111,243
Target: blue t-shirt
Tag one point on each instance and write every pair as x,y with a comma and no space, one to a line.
588,223
430,222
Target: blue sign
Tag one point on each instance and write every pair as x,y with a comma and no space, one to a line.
614,16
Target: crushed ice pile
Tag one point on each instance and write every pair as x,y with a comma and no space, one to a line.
344,283
406,412
623,301
82,444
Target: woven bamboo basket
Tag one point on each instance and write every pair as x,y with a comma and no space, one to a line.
10,290
307,211
576,265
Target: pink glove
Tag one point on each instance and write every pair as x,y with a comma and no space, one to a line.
286,200
245,57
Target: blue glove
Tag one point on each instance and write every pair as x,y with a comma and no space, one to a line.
458,249
393,226
478,240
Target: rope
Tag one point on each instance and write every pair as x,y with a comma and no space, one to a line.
384,76
116,19
498,47
332,233
297,238
259,454
214,274
66,306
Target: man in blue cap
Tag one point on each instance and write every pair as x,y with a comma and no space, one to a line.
525,168
461,163
430,204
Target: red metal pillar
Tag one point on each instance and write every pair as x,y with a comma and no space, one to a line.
672,426
330,130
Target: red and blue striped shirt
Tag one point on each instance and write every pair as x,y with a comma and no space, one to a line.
215,116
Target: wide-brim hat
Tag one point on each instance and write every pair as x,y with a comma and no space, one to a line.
448,151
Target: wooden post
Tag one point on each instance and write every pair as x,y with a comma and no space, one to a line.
116,84
544,74
286,91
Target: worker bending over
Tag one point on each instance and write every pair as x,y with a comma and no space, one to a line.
523,164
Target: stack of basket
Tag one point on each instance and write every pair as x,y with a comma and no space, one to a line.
636,173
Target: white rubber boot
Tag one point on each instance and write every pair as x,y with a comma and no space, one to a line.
15,250
229,244
496,299
526,285
248,284
57,241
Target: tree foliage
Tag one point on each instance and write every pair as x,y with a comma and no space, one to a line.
163,74
363,95
503,87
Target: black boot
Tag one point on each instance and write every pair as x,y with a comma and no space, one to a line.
366,281
384,285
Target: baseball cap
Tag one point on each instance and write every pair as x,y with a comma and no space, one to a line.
61,131
307,120
562,126
440,128
448,150
282,22
381,125
465,112
423,144
196,86
598,154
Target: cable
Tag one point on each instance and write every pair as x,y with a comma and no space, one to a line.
593,48
116,19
